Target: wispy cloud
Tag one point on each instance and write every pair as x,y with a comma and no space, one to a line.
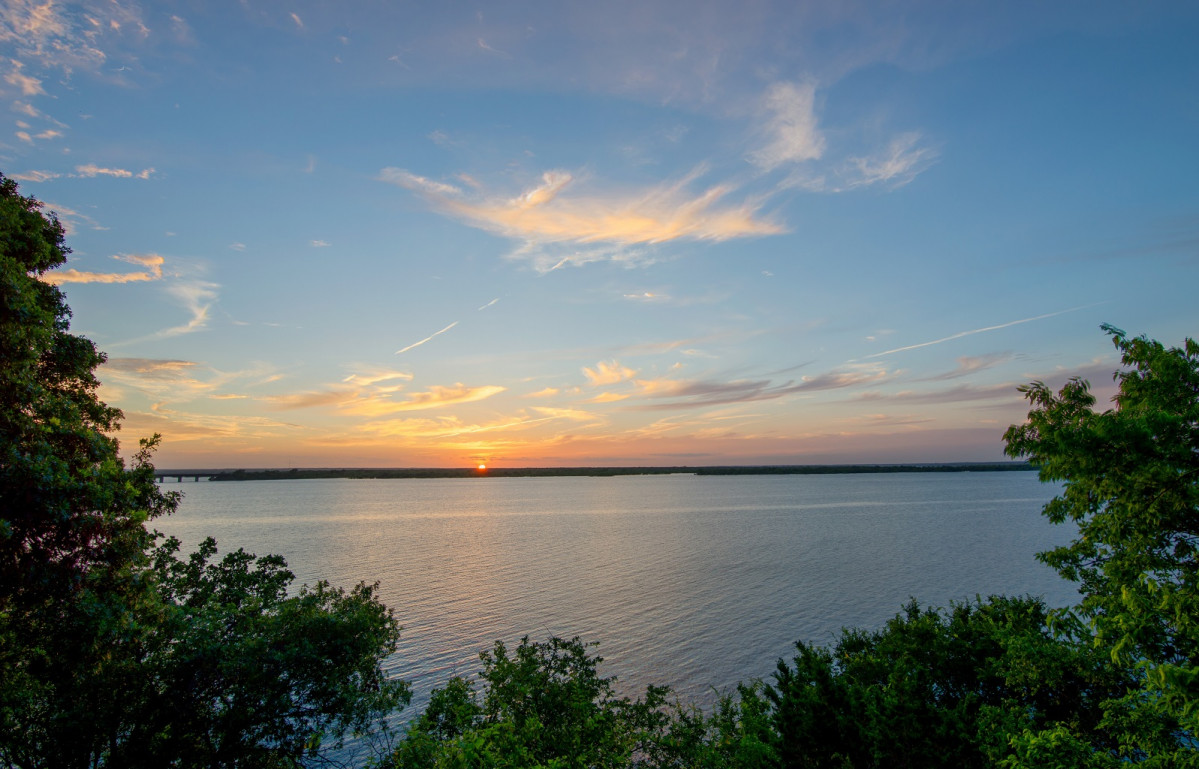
29,86
319,243
434,397
90,170
72,219
178,380
411,181
703,393
551,220
606,373
36,176
297,20
152,262
443,427
308,400
197,297
426,339
609,397
984,329
790,126
483,46
648,296
899,164
493,301
374,376
963,392
543,393
969,365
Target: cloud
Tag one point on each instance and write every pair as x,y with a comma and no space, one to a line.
152,263
426,339
483,46
298,21
609,397
238,246
197,297
963,392
961,334
150,367
552,221
792,135
311,399
544,393
68,36
411,181
443,427
899,164
175,380
71,218
574,415
29,86
703,393
648,296
606,373
970,364
36,176
434,397
493,301
375,376
91,169
319,244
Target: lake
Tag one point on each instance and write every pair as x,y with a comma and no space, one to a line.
687,581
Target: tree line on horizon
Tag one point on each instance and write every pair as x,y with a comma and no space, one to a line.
118,650
365,473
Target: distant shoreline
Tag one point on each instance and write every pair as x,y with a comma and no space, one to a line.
385,473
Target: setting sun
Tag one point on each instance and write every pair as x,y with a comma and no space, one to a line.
482,468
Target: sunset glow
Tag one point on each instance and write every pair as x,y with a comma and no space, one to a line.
391,235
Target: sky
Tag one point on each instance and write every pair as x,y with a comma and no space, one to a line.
624,233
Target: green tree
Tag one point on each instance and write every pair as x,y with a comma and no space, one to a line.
113,653
1131,484
543,705
937,689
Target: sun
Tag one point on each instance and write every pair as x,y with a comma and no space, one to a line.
482,467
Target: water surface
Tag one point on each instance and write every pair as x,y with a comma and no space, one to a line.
695,582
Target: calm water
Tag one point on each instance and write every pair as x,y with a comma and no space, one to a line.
692,582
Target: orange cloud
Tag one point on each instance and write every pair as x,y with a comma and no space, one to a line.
153,263
548,214
606,373
434,397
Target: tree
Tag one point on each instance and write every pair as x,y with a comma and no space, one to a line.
937,689
1131,484
113,653
545,705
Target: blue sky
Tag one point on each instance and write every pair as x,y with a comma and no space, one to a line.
605,233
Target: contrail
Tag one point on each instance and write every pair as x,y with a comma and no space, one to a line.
975,331
430,336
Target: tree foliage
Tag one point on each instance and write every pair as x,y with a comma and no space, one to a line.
114,652
1131,485
937,689
543,705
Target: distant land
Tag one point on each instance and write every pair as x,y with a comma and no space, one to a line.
281,474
